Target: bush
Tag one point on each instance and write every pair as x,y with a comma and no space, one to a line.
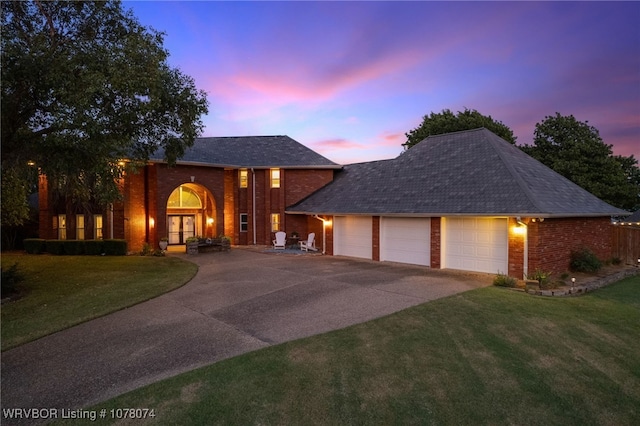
73,247
54,246
502,280
115,247
584,260
541,276
93,247
34,245
11,277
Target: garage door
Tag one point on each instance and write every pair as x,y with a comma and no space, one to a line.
352,236
406,240
476,244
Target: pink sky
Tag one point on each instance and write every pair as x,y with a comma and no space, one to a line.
349,79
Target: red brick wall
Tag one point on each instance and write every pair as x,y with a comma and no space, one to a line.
145,196
551,241
436,242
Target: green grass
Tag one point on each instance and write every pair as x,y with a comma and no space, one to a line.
62,291
488,356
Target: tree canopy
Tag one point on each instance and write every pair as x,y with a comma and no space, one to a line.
447,122
575,150
85,85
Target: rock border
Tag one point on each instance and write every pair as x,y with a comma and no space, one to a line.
585,288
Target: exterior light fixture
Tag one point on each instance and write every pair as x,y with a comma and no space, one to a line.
152,222
193,179
573,284
209,221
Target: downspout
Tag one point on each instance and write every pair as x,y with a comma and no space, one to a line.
324,232
253,213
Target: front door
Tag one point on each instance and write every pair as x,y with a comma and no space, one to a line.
181,227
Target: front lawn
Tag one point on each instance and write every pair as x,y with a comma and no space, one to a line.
62,291
488,356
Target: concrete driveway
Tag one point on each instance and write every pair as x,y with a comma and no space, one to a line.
238,302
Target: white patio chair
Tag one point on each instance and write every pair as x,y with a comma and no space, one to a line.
310,244
281,240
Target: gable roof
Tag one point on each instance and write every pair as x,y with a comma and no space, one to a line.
472,172
251,151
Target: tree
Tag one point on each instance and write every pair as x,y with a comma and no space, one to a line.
447,122
576,151
85,85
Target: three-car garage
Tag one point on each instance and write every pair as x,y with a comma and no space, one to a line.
478,244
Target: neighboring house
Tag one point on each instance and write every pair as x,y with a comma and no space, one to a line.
233,186
466,200
632,220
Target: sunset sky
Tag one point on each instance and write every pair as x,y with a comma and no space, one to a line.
349,79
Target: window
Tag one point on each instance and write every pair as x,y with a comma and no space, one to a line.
62,227
244,178
275,178
244,222
79,227
97,226
183,197
275,222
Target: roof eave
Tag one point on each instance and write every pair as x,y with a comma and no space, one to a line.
238,166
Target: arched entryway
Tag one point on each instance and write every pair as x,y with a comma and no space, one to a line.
190,212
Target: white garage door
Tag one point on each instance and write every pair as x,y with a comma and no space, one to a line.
406,240
476,244
352,236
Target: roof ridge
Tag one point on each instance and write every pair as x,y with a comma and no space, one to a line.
512,171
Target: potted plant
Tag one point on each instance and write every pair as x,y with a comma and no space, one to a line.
164,242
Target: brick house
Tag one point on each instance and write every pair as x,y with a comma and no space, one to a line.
465,200
233,186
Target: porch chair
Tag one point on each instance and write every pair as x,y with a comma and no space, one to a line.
281,240
310,244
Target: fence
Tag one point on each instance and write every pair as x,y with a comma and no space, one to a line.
626,244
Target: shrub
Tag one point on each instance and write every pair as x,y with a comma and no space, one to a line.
73,247
541,276
93,247
503,280
584,260
34,245
11,277
115,247
55,246
147,250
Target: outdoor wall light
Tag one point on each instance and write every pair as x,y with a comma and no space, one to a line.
152,222
209,221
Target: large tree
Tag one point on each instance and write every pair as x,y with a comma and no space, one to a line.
447,122
575,150
85,85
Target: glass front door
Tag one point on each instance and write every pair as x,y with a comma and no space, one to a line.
181,227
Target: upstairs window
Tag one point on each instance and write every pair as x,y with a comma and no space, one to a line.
244,178
275,178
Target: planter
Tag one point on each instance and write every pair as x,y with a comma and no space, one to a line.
163,245
192,247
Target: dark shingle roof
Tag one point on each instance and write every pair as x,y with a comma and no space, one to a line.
251,151
473,172
633,218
